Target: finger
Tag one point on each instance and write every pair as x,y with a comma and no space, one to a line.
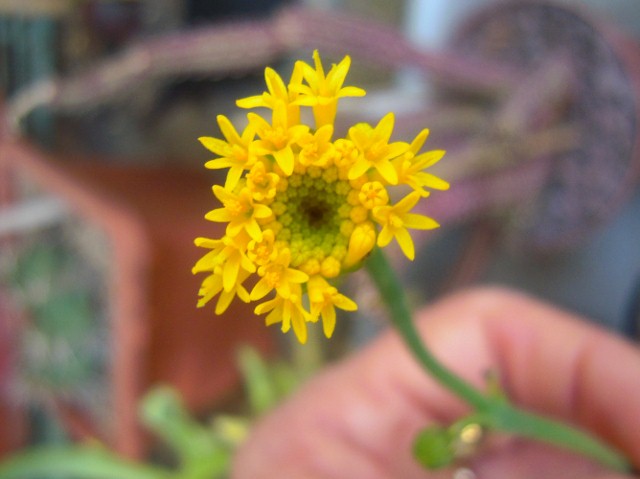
521,459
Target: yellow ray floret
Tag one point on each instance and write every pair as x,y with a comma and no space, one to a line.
323,91
301,208
233,152
375,149
396,219
410,166
278,93
324,299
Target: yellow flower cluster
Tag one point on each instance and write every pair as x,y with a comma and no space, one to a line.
302,208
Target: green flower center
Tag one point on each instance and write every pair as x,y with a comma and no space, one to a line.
315,217
315,212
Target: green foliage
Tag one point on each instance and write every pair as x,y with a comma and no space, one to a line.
76,462
202,451
266,384
62,348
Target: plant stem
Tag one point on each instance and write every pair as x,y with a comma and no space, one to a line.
394,297
494,412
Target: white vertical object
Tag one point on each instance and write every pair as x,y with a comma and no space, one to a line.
429,24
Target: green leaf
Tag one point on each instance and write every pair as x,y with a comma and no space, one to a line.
76,462
164,413
261,390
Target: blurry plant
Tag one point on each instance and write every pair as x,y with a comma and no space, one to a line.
62,345
197,450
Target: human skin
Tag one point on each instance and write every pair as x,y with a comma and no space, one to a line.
358,418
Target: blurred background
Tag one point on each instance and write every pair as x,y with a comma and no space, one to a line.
102,188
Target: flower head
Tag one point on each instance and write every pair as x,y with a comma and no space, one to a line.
300,207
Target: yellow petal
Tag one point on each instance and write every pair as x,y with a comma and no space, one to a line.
223,302
338,72
222,194
347,304
206,263
361,243
396,149
429,158
257,122
384,237
406,243
419,140
233,177
406,203
228,130
432,181
218,215
386,170
299,328
285,160
359,168
219,163
297,276
315,288
318,64
255,101
253,228
260,290
215,145
206,242
275,85
351,91
276,316
230,273
419,222
384,128
261,211
266,306
328,321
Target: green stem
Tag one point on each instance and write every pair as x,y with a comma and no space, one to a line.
495,412
525,424
393,294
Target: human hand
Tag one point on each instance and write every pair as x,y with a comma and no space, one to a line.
359,418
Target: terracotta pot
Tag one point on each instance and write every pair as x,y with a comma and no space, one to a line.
13,431
150,217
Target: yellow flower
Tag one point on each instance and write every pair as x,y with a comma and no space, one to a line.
410,166
278,93
261,183
288,311
212,286
361,242
226,258
324,300
396,219
323,91
239,211
375,149
278,138
302,208
262,252
372,194
277,275
316,148
234,152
